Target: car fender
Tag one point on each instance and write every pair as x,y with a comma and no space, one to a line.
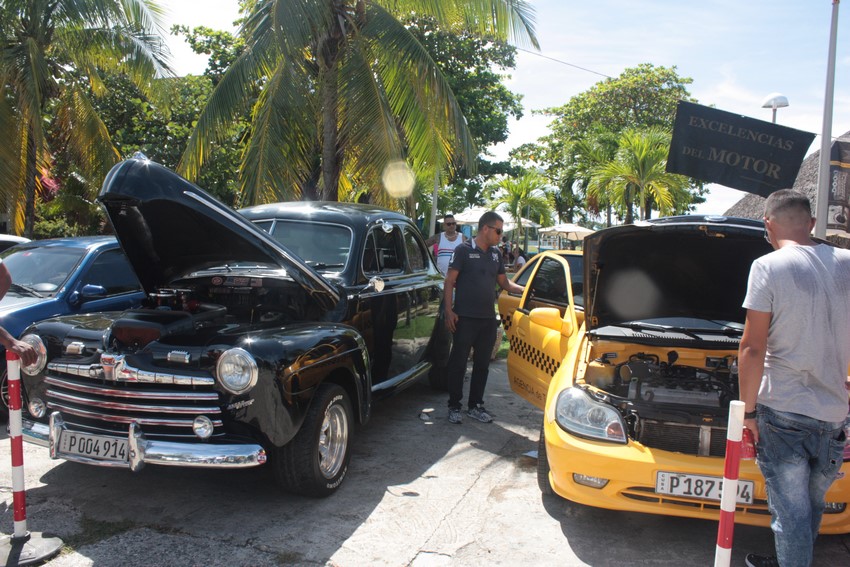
292,362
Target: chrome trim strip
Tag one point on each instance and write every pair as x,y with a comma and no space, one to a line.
93,403
186,423
140,394
131,374
143,451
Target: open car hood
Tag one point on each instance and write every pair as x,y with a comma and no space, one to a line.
686,266
170,228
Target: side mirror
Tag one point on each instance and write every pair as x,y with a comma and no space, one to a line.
550,318
92,291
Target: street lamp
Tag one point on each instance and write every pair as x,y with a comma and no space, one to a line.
774,101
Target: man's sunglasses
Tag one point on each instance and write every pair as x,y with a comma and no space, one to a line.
498,230
449,223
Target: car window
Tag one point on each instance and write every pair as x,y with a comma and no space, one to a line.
321,245
383,253
549,284
577,276
112,270
522,278
416,255
43,268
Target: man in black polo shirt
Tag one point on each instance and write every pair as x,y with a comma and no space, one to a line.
474,270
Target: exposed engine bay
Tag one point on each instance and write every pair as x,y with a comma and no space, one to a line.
680,407
645,378
212,302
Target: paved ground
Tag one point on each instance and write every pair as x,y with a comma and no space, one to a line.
420,492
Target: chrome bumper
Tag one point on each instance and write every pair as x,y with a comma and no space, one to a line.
146,451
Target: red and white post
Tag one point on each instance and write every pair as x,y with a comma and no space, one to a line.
725,531
23,547
19,497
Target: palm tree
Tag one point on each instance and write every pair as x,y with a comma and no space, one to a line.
51,53
524,196
637,174
346,89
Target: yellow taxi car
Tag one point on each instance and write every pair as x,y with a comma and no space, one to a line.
635,367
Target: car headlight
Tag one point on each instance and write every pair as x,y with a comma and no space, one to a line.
41,361
579,414
236,370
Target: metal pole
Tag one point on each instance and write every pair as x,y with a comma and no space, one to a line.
432,226
826,134
774,115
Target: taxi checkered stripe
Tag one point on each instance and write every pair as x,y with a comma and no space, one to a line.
535,356
506,321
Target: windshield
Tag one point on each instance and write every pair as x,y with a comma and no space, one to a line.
42,269
323,246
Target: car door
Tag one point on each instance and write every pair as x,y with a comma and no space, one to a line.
543,329
111,278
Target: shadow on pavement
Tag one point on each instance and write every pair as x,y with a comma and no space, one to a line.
393,459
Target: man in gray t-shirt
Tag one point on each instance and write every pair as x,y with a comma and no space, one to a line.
793,361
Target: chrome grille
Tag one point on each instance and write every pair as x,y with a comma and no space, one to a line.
679,438
164,404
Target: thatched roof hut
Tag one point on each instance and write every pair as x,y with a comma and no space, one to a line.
752,206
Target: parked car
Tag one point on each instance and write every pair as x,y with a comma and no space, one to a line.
64,276
636,397
9,240
263,339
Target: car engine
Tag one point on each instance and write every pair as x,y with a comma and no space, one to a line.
645,378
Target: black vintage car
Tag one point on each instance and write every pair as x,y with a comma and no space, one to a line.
258,339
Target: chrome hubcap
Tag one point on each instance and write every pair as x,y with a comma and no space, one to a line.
333,440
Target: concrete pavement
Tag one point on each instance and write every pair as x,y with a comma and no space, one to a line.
420,491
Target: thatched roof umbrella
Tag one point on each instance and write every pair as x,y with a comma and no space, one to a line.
752,206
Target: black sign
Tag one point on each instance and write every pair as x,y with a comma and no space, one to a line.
733,150
838,215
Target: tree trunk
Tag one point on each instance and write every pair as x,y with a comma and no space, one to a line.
331,155
30,185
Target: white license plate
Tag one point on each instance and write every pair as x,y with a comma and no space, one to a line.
93,446
699,486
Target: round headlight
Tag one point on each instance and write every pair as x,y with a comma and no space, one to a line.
41,361
237,370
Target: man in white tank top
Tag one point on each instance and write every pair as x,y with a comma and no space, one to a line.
446,242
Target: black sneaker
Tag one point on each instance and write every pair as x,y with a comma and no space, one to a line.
754,560
455,415
479,413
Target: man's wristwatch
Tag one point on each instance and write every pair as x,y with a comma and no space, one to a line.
750,414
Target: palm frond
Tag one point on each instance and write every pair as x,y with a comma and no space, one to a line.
283,141
430,117
86,135
231,97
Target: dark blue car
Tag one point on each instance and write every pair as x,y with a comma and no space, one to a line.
64,276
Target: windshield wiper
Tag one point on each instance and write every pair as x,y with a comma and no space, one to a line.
24,290
656,327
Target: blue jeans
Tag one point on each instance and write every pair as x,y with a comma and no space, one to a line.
799,457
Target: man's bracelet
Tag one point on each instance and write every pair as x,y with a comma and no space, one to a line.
750,414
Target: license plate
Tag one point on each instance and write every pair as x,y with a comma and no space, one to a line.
699,486
93,446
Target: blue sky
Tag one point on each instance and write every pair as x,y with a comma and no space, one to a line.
736,51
